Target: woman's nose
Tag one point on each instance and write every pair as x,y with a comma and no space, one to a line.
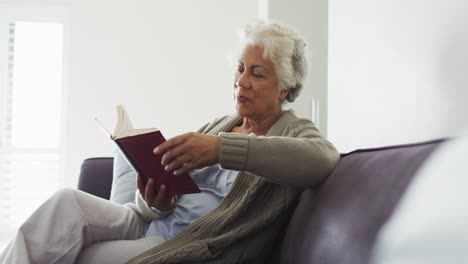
243,81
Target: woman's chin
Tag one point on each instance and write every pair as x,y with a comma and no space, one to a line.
241,111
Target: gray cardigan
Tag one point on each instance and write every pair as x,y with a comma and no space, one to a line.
273,170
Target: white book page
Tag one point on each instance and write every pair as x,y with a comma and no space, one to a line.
123,120
124,127
134,132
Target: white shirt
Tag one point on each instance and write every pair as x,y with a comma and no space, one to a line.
214,183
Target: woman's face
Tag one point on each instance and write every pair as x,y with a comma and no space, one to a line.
256,85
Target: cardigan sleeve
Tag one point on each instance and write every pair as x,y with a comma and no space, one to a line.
301,157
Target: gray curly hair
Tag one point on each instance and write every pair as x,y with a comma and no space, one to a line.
284,47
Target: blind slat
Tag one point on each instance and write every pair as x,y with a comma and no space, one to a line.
29,153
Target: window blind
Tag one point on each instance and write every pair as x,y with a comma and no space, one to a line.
30,121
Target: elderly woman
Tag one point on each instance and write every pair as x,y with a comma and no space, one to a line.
251,167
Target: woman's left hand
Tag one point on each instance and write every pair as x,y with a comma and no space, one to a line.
188,151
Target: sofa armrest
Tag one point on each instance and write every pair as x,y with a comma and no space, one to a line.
96,176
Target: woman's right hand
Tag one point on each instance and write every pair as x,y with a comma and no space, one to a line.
161,200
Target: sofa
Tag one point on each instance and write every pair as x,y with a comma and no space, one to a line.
336,222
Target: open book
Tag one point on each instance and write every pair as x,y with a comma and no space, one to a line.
137,145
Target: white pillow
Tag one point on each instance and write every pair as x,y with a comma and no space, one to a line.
430,223
123,180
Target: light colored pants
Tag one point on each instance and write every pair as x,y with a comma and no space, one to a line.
72,220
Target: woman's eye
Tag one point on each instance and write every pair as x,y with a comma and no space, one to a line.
257,75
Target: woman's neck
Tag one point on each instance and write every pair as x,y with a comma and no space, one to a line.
259,126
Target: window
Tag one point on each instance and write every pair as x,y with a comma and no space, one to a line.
31,91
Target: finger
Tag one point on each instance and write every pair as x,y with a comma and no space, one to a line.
149,191
162,199
186,168
169,144
141,186
178,163
174,153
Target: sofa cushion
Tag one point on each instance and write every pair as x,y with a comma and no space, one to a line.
123,180
339,221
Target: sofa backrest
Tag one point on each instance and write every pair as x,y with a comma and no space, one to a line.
96,176
339,221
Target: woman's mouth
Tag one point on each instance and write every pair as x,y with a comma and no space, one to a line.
242,99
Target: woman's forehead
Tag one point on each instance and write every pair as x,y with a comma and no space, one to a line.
253,55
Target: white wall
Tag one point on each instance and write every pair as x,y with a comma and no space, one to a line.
309,18
398,71
165,60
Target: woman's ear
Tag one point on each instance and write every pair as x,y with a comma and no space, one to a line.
284,94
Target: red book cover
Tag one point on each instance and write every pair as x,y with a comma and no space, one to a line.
138,150
137,147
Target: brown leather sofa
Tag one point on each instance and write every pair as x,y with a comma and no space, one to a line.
338,221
